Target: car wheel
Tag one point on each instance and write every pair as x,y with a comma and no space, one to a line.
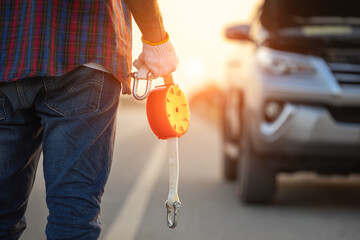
231,121
256,183
230,167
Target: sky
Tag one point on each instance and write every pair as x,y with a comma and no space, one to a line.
196,29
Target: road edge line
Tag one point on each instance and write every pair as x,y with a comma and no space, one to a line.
128,219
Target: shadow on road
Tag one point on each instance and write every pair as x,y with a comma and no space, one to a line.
311,190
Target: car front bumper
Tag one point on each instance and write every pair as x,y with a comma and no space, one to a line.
305,130
313,119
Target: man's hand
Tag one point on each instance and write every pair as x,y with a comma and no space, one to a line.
160,58
158,53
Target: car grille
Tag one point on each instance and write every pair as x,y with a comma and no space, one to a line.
345,114
346,73
345,65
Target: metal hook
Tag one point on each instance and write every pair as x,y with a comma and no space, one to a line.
135,87
172,221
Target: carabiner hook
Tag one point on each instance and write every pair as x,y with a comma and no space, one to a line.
172,221
135,86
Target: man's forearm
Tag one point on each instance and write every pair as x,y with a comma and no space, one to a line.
148,18
160,58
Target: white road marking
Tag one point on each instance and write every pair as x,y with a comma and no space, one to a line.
131,214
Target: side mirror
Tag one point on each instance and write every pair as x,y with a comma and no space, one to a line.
239,32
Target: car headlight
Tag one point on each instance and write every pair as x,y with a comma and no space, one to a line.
281,63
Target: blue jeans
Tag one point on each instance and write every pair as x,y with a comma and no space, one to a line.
71,119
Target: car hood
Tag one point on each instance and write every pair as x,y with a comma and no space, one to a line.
279,14
314,39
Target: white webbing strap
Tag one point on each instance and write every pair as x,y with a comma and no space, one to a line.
173,202
173,170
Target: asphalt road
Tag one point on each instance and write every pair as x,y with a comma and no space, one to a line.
307,206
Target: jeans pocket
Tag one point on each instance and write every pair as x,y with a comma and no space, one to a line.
77,92
2,106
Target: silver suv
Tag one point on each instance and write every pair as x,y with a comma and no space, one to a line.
293,101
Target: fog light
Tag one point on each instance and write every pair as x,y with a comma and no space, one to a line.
272,110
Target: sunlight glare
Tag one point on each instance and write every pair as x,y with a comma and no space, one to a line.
194,67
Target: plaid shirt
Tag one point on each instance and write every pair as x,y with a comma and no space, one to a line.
52,37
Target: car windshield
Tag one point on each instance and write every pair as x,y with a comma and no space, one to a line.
277,14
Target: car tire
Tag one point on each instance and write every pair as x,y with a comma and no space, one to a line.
231,135
256,183
230,168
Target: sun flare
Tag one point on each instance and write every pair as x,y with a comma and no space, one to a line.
194,67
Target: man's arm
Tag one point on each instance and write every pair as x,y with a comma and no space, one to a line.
147,16
158,53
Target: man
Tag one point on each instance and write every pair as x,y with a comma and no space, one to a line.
62,65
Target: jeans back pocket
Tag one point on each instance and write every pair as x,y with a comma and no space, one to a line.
77,92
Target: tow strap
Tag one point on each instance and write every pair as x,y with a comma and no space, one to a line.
169,117
173,203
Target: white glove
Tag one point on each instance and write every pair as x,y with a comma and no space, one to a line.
160,58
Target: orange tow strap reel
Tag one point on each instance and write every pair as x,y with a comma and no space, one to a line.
168,114
168,111
169,117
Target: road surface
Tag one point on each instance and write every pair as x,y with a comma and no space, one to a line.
306,206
